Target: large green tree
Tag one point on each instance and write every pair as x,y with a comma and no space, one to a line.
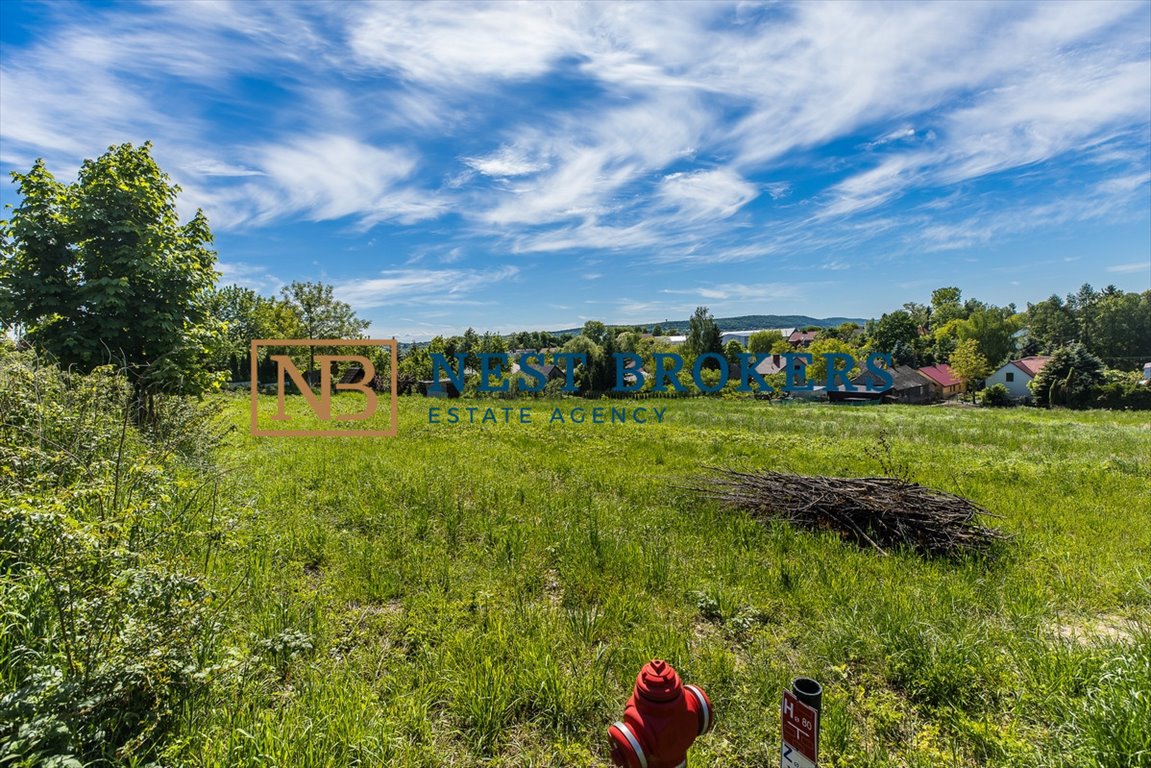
102,271
321,315
1052,323
703,336
761,342
246,316
1069,377
893,330
969,365
992,329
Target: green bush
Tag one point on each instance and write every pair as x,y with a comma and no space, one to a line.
103,638
1124,396
995,396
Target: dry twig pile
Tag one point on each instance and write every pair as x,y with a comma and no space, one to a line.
881,512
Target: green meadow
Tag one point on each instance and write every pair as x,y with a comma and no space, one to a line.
484,594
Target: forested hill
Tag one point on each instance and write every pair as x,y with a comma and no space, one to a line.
749,323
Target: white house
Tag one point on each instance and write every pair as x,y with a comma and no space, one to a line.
1016,375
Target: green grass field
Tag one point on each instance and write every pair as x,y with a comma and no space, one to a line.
467,595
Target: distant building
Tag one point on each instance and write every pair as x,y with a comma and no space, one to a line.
1017,375
907,385
441,388
802,338
744,337
943,382
778,364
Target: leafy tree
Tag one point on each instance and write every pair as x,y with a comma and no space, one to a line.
817,371
892,329
945,305
596,331
1068,378
703,335
588,374
992,329
321,315
628,341
920,313
102,270
761,342
995,396
246,316
848,332
732,350
780,347
969,365
1052,322
1121,329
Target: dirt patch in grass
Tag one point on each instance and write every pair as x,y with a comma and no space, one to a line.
1098,630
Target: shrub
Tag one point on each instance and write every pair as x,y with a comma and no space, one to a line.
995,396
1068,378
1122,397
102,640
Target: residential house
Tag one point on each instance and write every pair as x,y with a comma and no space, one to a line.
802,338
1017,375
942,381
441,388
907,385
778,364
550,371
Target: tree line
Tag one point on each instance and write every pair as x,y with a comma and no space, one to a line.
101,271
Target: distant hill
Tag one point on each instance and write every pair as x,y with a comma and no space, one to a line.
747,323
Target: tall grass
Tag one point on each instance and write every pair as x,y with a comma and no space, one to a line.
484,594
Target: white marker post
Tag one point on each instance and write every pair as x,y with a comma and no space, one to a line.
800,724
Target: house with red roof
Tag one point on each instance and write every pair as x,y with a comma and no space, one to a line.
1017,375
802,339
941,380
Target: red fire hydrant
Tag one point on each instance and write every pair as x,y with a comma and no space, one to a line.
662,719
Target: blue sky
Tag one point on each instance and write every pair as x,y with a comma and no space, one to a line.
509,166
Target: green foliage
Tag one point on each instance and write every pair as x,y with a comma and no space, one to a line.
1122,396
893,329
248,316
732,350
817,371
968,363
1052,323
321,316
106,636
101,271
991,329
762,342
482,595
703,336
1069,377
945,306
995,396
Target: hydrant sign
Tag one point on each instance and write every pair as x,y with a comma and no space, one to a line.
800,726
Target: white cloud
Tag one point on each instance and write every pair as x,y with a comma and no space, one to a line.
253,276
1133,267
508,161
446,43
332,176
420,286
707,194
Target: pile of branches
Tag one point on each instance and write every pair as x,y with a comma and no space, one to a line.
881,512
